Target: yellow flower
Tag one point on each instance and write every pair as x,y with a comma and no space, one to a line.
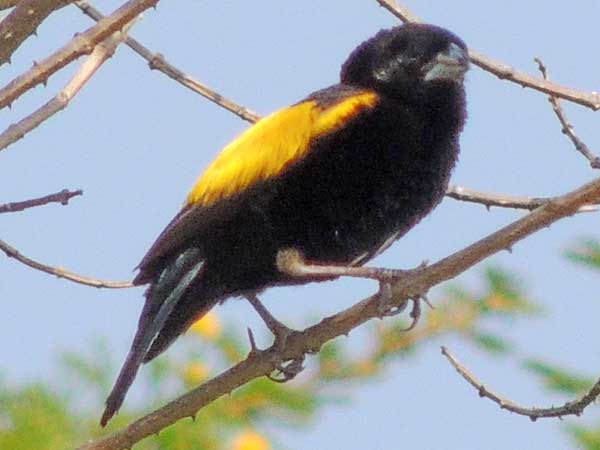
250,440
209,326
498,302
194,373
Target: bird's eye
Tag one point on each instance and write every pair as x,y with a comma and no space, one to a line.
398,45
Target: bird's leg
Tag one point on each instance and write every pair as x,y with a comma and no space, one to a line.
291,262
287,369
279,330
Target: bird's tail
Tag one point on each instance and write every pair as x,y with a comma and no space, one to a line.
166,294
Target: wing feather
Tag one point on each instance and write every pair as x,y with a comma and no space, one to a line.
262,152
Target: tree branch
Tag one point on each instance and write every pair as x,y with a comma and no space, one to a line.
156,61
6,4
22,22
12,252
506,72
102,52
61,197
575,407
81,44
298,343
503,201
567,128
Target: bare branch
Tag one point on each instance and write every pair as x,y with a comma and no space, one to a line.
61,197
506,72
503,201
12,252
575,407
6,4
158,62
81,44
298,343
102,52
22,22
567,128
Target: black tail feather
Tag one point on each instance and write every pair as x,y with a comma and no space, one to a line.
174,281
178,322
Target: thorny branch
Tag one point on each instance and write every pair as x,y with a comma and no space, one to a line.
22,22
61,197
81,44
12,252
158,62
503,201
567,128
102,52
6,4
263,362
506,72
575,407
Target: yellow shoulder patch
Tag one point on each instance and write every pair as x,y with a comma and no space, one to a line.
272,144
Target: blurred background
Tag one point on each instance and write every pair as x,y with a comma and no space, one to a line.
525,323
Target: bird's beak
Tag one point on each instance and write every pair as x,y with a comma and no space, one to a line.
449,65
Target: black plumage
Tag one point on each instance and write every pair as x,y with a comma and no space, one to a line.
363,180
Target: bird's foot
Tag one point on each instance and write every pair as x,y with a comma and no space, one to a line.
386,308
284,370
287,370
291,262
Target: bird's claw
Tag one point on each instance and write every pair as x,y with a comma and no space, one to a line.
284,370
287,370
415,312
385,308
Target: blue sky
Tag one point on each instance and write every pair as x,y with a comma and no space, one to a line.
135,141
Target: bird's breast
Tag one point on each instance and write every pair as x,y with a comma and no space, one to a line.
363,185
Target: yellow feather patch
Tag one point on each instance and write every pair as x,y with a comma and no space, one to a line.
273,143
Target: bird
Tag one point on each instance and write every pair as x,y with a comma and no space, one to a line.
334,178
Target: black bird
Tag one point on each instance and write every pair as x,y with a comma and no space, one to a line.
337,178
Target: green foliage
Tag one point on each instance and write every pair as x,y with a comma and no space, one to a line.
586,438
567,382
35,417
587,253
558,379
491,343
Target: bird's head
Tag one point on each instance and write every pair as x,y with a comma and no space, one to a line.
406,60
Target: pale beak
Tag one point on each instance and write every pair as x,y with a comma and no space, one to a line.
449,65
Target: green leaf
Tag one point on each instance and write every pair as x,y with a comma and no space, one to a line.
34,417
491,343
586,438
587,254
558,379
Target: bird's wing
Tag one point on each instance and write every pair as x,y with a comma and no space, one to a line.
262,152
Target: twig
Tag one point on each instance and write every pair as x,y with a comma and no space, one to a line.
158,62
574,407
81,44
503,201
567,128
262,362
12,252
22,22
61,197
102,52
6,4
506,72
